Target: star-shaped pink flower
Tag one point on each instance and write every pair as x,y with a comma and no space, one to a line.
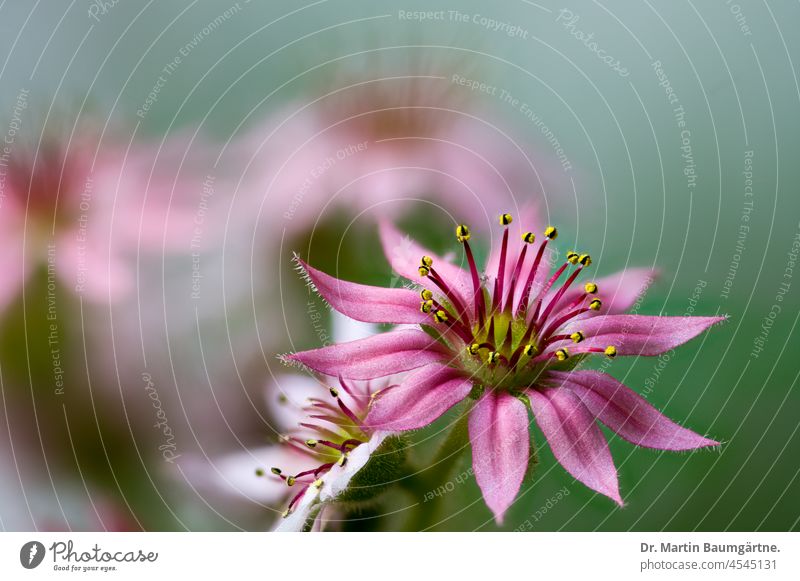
509,340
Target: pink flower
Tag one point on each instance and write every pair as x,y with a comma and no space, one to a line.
84,209
376,145
508,341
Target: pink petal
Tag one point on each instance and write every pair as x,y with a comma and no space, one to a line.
640,334
575,439
370,304
404,255
372,357
619,291
498,432
420,399
628,413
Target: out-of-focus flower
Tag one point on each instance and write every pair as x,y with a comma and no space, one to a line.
84,209
508,341
374,143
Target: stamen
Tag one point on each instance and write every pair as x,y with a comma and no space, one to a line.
585,259
348,412
555,300
551,232
611,352
501,266
506,219
493,357
425,294
441,316
595,304
590,288
462,233
260,472
577,337
426,306
561,320
509,302
523,304
561,354
480,305
449,293
572,257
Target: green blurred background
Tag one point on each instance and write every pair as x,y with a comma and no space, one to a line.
626,193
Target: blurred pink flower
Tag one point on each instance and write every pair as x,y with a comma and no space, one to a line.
84,209
510,340
377,145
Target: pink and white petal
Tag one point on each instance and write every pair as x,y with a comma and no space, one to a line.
420,399
338,478
498,433
404,255
377,356
370,304
629,414
639,334
619,291
575,439
234,474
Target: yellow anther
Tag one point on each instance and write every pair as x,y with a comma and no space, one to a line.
425,294
259,472
529,350
585,259
551,232
334,392
590,288
311,443
426,261
286,513
561,354
291,480
441,316
493,357
426,307
611,351
506,219
342,460
529,237
572,257
473,349
596,304
275,471
424,270
577,337
462,233
318,483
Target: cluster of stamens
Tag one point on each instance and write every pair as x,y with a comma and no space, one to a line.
499,331
338,430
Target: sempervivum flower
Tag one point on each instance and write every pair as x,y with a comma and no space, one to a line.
335,444
508,341
85,210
